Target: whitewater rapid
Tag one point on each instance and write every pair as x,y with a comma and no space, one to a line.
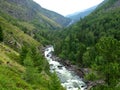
69,79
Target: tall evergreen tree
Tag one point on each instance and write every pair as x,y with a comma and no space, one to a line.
55,83
109,49
30,74
1,34
23,54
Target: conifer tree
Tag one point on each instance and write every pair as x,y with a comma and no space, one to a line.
1,34
55,82
30,74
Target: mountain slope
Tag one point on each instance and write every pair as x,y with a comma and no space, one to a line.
22,64
15,76
76,16
32,18
109,4
10,70
94,43
29,11
15,37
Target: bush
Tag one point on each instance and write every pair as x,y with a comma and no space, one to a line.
91,77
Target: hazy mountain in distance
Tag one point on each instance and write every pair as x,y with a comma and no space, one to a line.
77,15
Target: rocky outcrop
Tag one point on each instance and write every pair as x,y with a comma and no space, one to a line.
91,84
70,66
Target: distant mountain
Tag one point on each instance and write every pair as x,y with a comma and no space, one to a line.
31,18
94,42
24,27
76,16
28,10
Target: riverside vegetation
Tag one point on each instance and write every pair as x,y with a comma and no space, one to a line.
22,36
93,43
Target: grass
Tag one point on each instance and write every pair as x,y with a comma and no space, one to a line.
51,22
9,57
16,37
12,73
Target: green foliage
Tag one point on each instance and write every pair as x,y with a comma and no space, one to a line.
28,60
55,83
10,79
27,68
33,75
36,65
109,49
23,53
30,74
91,77
94,42
28,10
1,34
14,37
107,4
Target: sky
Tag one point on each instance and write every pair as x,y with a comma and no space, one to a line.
66,7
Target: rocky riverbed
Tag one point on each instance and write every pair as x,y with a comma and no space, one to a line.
69,79
77,70
81,72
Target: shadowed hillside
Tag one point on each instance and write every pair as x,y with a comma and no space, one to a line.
94,43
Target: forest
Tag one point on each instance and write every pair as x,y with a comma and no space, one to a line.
92,43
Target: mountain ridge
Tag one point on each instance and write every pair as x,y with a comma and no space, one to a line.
28,10
77,15
93,44
23,33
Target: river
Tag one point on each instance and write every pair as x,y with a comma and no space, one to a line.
69,79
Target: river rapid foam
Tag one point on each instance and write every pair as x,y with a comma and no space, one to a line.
69,79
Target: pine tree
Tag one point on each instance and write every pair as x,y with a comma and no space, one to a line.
109,49
30,74
1,34
55,82
23,54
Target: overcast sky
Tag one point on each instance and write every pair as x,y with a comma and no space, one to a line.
66,7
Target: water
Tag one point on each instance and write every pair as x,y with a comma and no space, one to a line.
68,78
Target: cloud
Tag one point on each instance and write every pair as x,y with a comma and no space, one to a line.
66,7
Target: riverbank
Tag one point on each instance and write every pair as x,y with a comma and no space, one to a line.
70,66
81,72
68,78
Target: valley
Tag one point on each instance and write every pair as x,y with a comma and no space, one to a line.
86,54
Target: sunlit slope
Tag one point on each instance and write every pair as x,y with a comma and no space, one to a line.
14,36
10,71
30,11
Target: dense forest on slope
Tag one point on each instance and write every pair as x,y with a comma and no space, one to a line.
94,43
23,30
32,18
